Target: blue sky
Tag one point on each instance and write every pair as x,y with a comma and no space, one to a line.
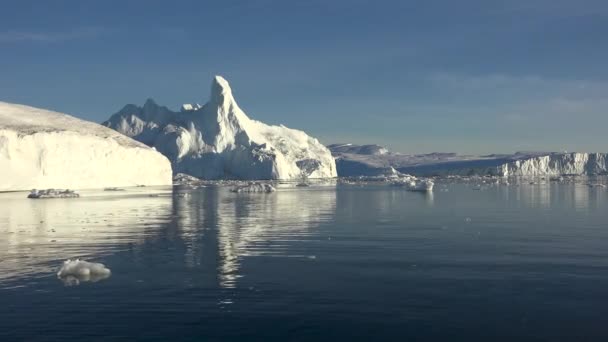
418,76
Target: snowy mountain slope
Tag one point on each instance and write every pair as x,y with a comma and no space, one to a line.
374,160
355,160
358,149
45,149
219,141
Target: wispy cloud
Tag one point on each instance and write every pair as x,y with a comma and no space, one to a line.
520,86
552,9
18,36
560,111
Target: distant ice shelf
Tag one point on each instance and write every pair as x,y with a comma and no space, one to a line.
373,160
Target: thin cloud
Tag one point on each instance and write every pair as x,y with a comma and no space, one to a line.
15,36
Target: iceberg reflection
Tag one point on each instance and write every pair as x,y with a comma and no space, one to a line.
36,234
245,225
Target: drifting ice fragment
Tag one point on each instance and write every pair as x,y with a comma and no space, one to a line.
53,193
72,272
255,187
414,184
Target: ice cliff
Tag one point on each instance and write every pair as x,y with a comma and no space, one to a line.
372,160
551,165
219,141
45,149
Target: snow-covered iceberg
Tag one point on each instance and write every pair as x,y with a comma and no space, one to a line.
44,149
219,141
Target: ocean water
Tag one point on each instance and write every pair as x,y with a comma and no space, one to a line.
525,262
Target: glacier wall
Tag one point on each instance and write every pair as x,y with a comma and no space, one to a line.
43,149
556,164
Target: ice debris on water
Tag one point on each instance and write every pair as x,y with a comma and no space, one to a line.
412,183
254,187
53,193
73,272
113,189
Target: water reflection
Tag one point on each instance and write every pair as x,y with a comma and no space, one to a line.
211,232
36,234
248,225
75,280
544,195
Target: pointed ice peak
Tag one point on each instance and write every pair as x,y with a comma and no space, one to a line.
220,90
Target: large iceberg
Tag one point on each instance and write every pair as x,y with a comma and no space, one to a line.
45,149
219,141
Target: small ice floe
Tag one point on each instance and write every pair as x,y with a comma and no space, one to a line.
113,189
420,185
73,272
415,184
53,193
254,187
186,180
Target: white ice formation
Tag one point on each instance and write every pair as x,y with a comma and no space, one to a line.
44,149
219,141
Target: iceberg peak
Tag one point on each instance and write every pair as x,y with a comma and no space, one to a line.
220,91
218,141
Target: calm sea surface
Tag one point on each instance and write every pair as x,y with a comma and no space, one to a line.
522,262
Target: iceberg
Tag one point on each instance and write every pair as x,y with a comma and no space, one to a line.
219,141
43,149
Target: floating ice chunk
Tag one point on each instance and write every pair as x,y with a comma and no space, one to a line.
420,185
53,193
72,272
255,187
414,184
186,107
